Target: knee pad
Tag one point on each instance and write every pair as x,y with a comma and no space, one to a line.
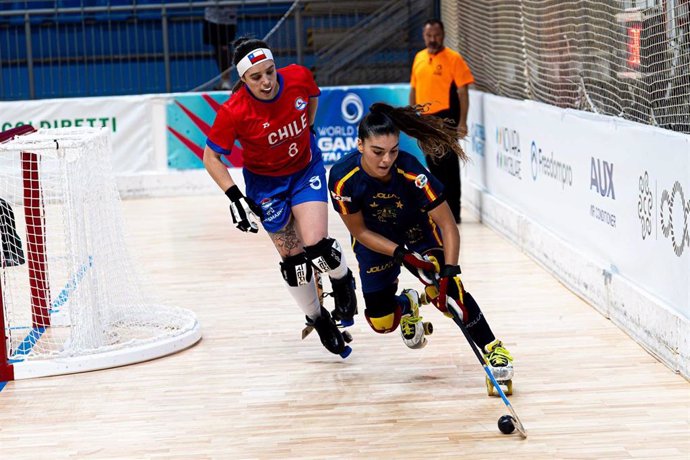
296,270
382,310
326,255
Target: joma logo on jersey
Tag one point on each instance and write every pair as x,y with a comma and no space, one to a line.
380,268
385,195
300,104
601,178
292,129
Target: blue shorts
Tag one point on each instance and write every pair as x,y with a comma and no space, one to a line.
278,194
378,271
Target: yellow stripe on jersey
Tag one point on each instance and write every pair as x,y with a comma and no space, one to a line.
434,230
339,188
412,177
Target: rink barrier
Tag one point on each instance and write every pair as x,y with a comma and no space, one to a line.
605,210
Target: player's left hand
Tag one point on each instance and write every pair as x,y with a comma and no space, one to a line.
450,285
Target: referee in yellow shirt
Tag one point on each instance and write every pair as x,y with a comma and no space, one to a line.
440,77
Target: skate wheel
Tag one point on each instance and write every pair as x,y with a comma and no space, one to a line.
346,352
490,389
428,328
347,337
346,323
506,386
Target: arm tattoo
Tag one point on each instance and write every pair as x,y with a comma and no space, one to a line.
286,239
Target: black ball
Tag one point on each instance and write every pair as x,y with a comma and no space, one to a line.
505,424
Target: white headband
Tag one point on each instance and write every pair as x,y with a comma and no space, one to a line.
255,57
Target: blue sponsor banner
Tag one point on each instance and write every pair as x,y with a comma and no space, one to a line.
341,108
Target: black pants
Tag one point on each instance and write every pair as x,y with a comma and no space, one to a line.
447,170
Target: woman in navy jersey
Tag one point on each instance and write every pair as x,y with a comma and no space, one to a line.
270,113
396,213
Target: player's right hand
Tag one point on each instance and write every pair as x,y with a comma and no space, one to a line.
244,211
450,285
416,264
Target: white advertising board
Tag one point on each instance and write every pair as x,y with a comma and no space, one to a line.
128,117
473,144
617,191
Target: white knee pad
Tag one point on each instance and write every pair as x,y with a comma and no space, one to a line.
327,257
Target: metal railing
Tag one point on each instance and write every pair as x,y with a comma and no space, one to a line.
111,47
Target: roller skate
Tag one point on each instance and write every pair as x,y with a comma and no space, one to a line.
412,329
501,366
345,299
331,337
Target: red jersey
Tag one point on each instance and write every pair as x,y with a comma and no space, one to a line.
275,133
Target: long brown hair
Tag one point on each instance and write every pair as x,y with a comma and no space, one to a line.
436,137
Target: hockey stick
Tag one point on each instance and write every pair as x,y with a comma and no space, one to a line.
456,314
455,311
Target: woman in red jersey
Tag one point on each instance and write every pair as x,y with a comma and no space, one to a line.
270,113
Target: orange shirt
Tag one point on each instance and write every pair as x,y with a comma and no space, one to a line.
433,74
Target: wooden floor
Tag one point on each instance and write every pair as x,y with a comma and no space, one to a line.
252,389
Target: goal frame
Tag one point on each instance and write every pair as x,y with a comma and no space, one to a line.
40,301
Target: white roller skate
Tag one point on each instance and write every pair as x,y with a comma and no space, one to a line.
412,329
501,366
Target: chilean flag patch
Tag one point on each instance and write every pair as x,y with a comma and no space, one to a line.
256,56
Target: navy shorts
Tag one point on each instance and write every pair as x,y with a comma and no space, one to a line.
278,194
378,271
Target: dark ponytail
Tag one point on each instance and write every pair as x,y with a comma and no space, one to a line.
241,47
435,136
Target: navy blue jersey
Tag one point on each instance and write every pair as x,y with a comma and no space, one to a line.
389,208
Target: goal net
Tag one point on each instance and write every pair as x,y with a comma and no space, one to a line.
70,298
627,58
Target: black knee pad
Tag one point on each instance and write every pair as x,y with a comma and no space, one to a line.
296,270
325,255
382,310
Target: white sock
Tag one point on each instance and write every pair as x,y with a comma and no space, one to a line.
307,299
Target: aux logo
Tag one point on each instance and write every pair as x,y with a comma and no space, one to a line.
601,178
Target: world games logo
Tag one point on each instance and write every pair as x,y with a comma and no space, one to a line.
352,108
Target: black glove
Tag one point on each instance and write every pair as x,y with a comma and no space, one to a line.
244,211
419,266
